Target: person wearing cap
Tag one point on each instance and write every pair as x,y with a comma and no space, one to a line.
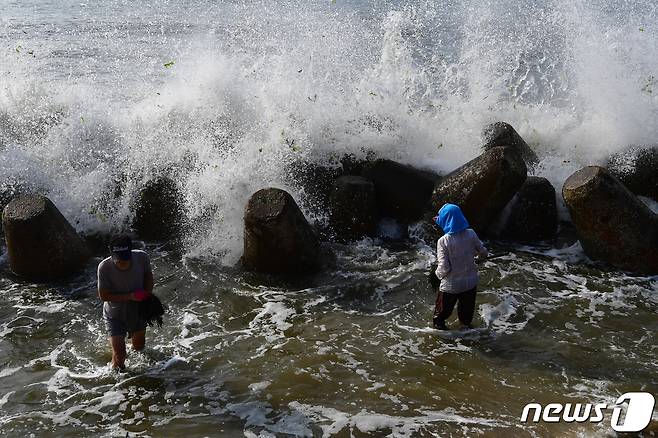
124,279
456,251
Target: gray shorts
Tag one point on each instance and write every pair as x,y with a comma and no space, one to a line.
118,327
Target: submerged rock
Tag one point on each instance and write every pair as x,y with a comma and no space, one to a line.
482,187
277,237
637,169
158,210
353,213
41,243
613,225
533,212
503,134
402,191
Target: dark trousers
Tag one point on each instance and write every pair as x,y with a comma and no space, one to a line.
445,303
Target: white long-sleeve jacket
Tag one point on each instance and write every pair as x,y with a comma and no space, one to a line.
456,261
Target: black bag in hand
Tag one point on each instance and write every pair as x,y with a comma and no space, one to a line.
431,276
151,310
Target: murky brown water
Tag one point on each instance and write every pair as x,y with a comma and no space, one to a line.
348,353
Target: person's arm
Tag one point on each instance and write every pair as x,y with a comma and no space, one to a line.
107,295
479,247
443,263
148,282
148,276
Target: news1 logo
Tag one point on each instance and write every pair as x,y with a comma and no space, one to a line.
638,412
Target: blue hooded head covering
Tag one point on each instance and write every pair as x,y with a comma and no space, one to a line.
451,219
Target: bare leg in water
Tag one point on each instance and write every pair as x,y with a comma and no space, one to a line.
139,340
118,344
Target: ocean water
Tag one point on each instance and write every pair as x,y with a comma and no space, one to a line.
228,97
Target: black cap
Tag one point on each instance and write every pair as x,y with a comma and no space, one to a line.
121,247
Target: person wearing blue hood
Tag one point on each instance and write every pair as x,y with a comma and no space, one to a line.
456,251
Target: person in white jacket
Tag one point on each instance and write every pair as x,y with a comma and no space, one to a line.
456,251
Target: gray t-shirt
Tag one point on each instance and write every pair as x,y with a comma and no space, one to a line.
123,282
